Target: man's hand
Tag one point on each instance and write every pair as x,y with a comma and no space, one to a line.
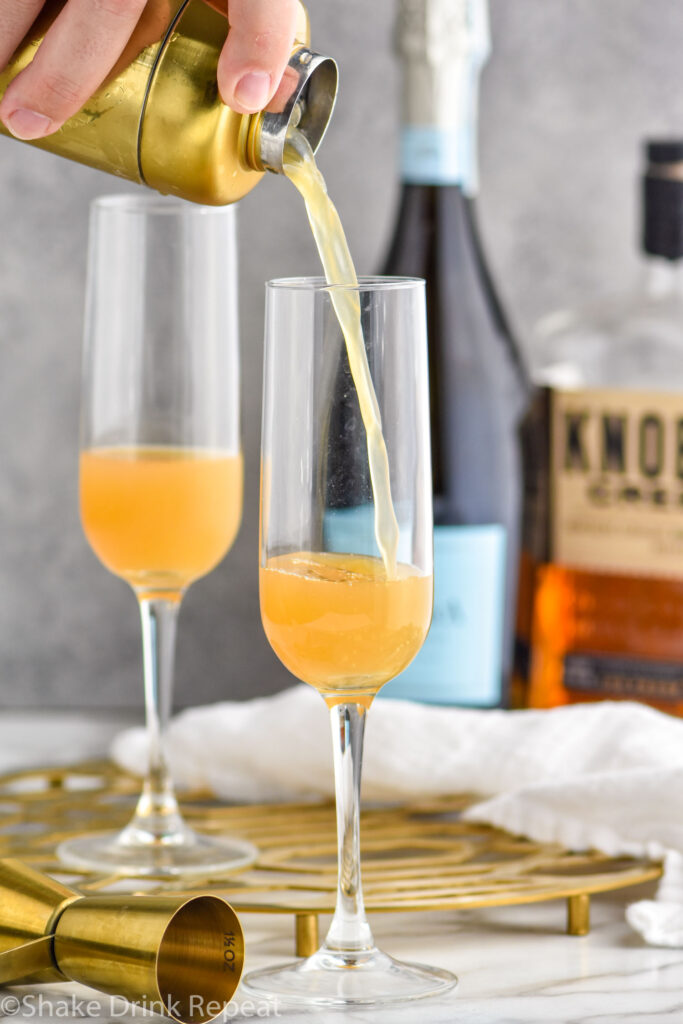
88,37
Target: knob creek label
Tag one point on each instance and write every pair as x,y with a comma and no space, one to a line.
617,481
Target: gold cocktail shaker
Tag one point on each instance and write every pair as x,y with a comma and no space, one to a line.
158,118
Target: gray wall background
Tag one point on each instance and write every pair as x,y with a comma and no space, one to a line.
571,89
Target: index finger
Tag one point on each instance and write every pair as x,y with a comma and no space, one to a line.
16,19
79,50
256,52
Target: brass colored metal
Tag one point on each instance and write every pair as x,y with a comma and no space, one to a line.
191,144
161,950
417,857
32,962
159,120
307,937
182,955
579,914
104,134
31,903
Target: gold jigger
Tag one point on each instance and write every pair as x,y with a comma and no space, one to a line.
180,956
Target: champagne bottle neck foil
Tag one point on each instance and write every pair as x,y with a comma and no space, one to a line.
443,31
443,45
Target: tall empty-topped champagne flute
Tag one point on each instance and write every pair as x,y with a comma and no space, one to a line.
337,610
160,467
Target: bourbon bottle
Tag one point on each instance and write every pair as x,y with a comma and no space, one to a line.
601,608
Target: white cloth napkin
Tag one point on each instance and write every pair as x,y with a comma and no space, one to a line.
607,776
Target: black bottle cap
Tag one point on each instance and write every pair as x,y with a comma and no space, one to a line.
664,151
663,199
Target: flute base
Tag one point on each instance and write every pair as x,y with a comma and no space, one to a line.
137,852
332,978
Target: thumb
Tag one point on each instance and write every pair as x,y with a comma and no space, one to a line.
256,52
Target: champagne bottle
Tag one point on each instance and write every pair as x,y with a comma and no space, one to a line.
477,380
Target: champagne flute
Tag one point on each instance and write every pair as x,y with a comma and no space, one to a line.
160,468
333,613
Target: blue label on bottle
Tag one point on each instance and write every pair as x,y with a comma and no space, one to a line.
461,661
431,156
352,530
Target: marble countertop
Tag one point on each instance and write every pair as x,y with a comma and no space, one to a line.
516,965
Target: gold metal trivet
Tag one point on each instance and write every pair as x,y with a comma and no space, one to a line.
415,856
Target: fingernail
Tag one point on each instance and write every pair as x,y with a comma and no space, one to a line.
27,124
253,90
